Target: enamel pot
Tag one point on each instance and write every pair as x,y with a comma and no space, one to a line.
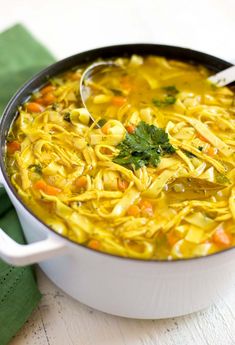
119,286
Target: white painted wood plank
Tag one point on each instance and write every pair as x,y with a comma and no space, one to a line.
60,320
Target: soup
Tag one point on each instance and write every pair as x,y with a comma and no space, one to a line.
152,178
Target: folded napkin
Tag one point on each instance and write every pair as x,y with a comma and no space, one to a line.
21,57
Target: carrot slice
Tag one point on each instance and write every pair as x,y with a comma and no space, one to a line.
81,182
106,151
202,138
130,128
126,83
34,107
46,188
47,89
40,184
106,128
49,98
146,208
13,146
212,151
122,185
94,244
118,101
172,238
221,237
145,204
39,100
133,210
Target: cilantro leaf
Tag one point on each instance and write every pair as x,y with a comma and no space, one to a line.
143,147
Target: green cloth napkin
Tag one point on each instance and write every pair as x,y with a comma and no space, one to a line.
21,57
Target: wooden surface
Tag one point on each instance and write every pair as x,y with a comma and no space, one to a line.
60,320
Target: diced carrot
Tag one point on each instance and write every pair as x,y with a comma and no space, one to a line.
39,101
51,190
133,210
221,237
130,128
47,89
172,238
146,208
147,212
118,101
13,146
212,151
94,244
122,184
34,107
125,83
49,98
106,128
201,137
40,184
145,204
46,188
106,151
81,182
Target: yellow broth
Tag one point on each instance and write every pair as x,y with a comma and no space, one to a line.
174,199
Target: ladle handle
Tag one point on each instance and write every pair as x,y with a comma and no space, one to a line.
224,77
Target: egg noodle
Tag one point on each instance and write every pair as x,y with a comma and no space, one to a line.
110,185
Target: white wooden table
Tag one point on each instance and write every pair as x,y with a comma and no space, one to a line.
64,27
60,320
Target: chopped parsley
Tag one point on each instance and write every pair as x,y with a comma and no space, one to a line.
67,117
10,137
171,90
116,92
143,147
36,168
54,106
200,148
169,99
189,154
101,122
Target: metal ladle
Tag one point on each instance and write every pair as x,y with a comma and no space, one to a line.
91,70
222,78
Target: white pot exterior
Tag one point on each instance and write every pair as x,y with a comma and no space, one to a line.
131,288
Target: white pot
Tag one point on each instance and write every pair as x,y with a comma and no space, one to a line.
119,286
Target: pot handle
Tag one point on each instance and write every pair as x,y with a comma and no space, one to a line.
26,254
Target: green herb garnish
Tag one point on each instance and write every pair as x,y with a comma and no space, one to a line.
168,100
54,106
36,168
200,148
67,117
171,90
116,92
189,154
143,147
10,137
101,122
